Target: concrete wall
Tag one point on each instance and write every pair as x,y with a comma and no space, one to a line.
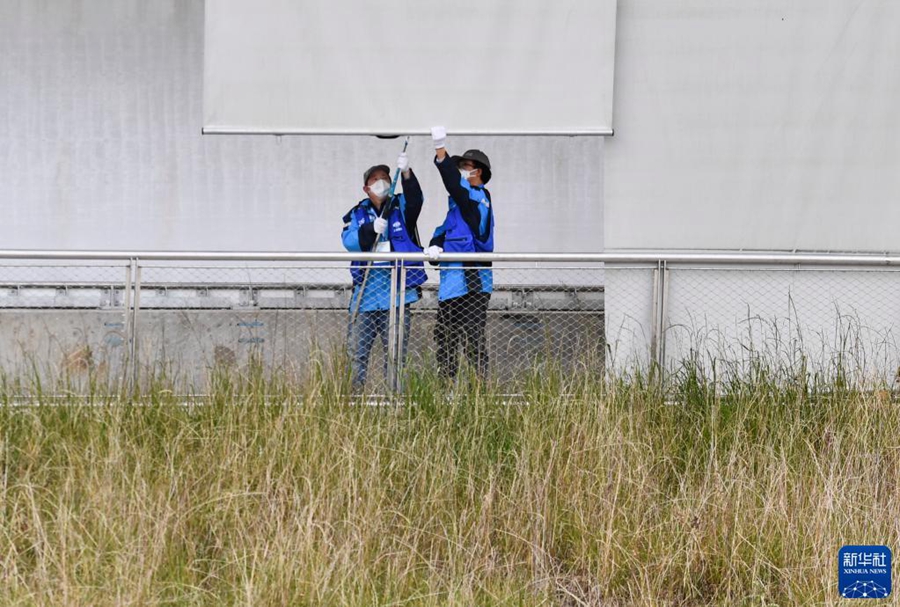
70,349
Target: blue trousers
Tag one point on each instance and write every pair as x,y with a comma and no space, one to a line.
368,327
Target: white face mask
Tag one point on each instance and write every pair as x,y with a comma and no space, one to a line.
380,188
466,174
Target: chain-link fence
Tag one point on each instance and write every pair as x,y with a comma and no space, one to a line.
64,327
834,324
799,321
376,325
129,321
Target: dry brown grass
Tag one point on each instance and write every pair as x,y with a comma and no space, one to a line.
605,496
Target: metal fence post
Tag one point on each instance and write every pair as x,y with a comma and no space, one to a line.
392,328
663,317
659,318
654,319
135,367
126,323
401,331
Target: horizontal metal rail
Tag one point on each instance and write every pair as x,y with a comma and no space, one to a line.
609,257
279,131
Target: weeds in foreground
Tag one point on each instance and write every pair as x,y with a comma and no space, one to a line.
584,490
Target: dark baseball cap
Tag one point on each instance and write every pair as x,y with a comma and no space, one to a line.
377,167
480,160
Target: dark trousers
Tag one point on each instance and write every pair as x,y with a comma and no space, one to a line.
460,322
370,326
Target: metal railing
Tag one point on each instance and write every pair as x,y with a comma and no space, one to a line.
73,318
613,257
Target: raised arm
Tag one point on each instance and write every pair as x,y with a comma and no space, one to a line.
458,188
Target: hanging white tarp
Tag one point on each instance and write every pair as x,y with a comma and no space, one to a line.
401,66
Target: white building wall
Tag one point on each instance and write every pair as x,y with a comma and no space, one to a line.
756,126
100,148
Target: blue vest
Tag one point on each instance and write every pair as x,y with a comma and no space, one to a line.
458,238
401,242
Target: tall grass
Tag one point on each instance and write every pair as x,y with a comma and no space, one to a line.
586,491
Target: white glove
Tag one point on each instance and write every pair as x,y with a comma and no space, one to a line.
439,136
403,162
380,225
434,252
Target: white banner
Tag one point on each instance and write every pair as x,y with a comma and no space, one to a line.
401,66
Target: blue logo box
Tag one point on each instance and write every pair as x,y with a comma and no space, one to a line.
864,572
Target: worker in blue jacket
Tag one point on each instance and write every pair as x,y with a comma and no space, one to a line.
370,225
466,287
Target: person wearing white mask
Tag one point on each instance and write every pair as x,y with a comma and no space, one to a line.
466,287
383,225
